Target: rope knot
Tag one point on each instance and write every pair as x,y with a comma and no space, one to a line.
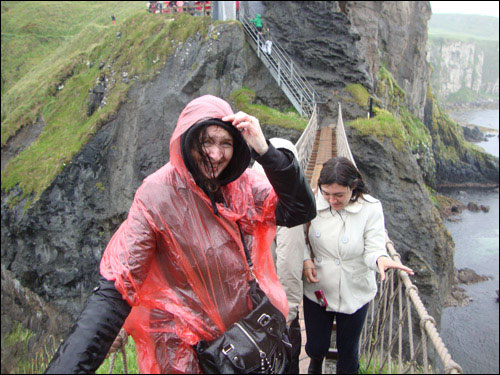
450,366
119,343
425,319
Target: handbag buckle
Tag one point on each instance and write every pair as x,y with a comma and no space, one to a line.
227,349
264,319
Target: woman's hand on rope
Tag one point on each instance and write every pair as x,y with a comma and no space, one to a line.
249,127
384,263
310,271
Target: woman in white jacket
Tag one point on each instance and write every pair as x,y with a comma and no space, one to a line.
347,240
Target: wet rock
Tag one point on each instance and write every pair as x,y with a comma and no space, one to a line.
96,95
472,206
457,297
473,134
485,208
469,276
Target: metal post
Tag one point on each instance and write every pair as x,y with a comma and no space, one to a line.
279,73
258,44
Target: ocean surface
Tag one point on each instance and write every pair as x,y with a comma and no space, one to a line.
471,333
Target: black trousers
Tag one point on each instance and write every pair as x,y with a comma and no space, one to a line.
296,341
319,324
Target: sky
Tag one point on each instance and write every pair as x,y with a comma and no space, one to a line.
482,8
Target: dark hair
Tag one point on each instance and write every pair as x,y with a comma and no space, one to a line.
191,140
340,170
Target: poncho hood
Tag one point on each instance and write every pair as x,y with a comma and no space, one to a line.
202,112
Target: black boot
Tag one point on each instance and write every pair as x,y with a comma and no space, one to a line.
315,366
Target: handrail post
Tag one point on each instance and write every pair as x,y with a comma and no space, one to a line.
279,73
258,44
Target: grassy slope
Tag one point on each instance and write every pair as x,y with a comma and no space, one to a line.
83,36
464,27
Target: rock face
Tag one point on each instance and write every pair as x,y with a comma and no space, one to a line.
65,232
460,64
394,34
341,42
323,43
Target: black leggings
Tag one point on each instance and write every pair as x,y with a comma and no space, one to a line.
319,324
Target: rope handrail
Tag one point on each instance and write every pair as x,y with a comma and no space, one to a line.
305,143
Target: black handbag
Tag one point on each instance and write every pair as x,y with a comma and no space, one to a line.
255,344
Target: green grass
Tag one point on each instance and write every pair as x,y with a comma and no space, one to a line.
33,30
418,136
145,43
382,125
359,93
118,368
16,343
387,83
373,368
464,27
448,139
243,101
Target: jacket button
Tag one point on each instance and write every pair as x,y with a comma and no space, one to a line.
337,262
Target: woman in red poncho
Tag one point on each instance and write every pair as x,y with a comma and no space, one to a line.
175,271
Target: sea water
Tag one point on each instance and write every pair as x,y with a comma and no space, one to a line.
471,333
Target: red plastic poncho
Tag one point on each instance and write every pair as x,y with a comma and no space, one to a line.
181,267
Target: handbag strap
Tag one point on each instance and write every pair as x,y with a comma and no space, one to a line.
247,253
308,225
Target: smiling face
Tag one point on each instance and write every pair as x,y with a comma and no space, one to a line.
217,147
336,195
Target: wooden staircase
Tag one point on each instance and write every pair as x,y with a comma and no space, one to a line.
325,147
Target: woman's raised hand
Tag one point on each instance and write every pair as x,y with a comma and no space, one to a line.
249,127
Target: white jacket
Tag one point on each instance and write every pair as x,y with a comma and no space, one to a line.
288,255
345,252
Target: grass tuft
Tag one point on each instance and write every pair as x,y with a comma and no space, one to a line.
243,100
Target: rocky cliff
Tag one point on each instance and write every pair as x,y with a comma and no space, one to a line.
459,65
463,52
342,42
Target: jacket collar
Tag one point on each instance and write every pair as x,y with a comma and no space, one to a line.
322,204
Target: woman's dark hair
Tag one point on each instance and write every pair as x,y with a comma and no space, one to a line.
192,140
340,170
